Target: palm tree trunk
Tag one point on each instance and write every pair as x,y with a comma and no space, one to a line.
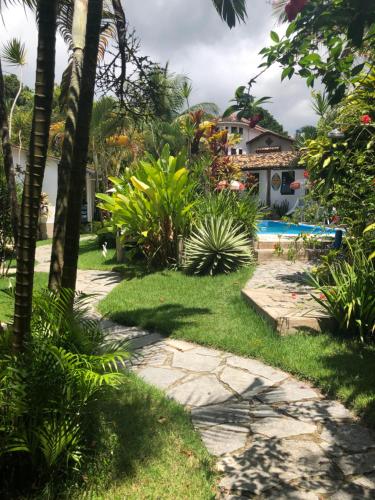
10,172
65,165
44,84
73,221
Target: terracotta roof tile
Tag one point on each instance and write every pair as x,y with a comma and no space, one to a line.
280,159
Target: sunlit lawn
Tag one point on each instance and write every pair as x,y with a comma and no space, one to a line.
210,311
6,301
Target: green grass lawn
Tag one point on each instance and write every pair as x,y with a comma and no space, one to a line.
148,449
6,302
210,311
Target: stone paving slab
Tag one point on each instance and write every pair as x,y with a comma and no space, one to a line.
274,436
279,292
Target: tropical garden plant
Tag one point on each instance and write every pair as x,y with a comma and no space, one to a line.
217,245
152,204
347,292
48,393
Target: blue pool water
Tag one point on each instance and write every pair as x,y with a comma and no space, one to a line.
284,228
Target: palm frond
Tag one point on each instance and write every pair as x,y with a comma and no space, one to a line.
14,52
231,11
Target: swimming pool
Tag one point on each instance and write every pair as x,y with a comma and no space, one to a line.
287,229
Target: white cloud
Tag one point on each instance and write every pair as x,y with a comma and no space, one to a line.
191,36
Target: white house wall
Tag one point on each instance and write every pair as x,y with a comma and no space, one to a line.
50,186
277,197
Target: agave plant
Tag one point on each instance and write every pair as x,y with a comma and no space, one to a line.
218,245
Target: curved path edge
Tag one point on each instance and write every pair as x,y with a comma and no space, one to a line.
273,435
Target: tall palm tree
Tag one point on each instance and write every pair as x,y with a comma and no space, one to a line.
79,159
44,84
10,173
14,53
78,35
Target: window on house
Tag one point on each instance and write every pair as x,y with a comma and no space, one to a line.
240,131
240,151
226,128
286,179
233,151
233,130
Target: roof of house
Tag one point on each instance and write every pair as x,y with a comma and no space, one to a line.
264,161
233,119
287,138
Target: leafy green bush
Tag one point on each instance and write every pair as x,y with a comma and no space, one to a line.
347,292
280,209
152,206
47,392
218,245
243,209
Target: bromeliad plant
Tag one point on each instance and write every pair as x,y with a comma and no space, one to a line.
152,207
48,391
347,292
218,245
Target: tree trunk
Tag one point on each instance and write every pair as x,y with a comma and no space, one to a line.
73,221
44,85
65,165
10,172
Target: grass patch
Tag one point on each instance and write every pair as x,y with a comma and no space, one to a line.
41,243
210,311
147,448
6,302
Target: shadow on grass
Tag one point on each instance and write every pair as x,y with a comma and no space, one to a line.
351,372
143,436
165,319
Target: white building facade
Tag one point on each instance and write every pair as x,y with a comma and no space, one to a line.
50,187
268,161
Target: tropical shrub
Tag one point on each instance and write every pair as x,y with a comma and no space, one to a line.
218,245
341,173
280,209
47,392
6,233
151,206
347,292
243,209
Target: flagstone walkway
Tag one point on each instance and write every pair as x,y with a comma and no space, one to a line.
274,437
279,292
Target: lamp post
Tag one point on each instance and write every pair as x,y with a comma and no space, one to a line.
336,134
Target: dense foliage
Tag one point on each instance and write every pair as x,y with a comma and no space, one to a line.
47,392
347,292
151,205
341,173
323,41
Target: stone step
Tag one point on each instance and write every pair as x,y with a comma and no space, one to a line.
291,317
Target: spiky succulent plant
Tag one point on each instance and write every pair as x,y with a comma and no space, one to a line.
218,245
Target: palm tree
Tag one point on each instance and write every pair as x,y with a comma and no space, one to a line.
78,34
14,53
44,84
81,143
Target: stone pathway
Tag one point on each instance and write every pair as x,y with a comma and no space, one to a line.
274,436
278,291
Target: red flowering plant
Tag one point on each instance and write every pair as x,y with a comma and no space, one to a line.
366,119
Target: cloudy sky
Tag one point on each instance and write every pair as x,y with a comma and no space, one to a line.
191,37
